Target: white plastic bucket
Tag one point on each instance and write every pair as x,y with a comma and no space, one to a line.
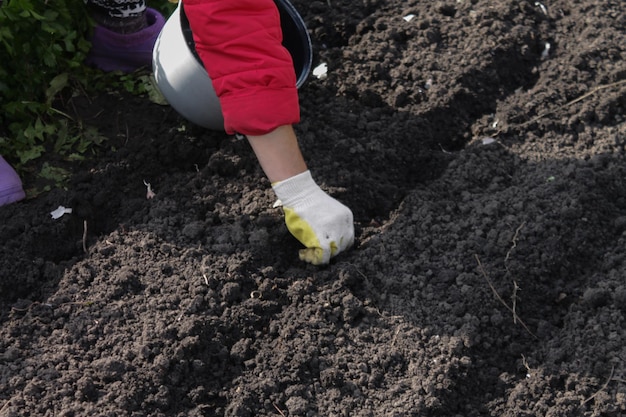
184,82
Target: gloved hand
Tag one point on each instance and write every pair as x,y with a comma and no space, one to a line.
318,221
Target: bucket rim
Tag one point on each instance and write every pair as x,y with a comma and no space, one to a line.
285,8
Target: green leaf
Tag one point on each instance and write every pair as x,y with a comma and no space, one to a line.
56,174
57,84
30,154
49,59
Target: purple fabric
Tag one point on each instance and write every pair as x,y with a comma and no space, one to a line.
112,51
10,184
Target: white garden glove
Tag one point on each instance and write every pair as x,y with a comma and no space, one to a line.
318,221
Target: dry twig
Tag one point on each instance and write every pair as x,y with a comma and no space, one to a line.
514,241
602,388
514,301
516,287
279,410
526,365
499,298
576,100
85,236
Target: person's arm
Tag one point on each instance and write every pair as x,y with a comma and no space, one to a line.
253,75
321,223
239,42
278,153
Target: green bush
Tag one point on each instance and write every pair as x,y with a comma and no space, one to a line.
43,46
42,49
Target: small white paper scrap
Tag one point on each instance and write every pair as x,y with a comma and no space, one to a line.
546,51
321,71
60,211
409,17
149,193
488,141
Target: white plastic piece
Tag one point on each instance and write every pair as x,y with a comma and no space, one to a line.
59,212
542,7
546,51
321,71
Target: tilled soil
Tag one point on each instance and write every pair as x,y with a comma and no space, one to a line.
480,145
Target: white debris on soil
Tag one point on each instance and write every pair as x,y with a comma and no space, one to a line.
321,71
149,193
59,212
546,51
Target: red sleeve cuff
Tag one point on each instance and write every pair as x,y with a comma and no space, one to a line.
260,110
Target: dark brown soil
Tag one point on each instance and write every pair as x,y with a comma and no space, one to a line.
488,279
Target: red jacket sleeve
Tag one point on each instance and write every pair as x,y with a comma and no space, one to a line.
240,44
